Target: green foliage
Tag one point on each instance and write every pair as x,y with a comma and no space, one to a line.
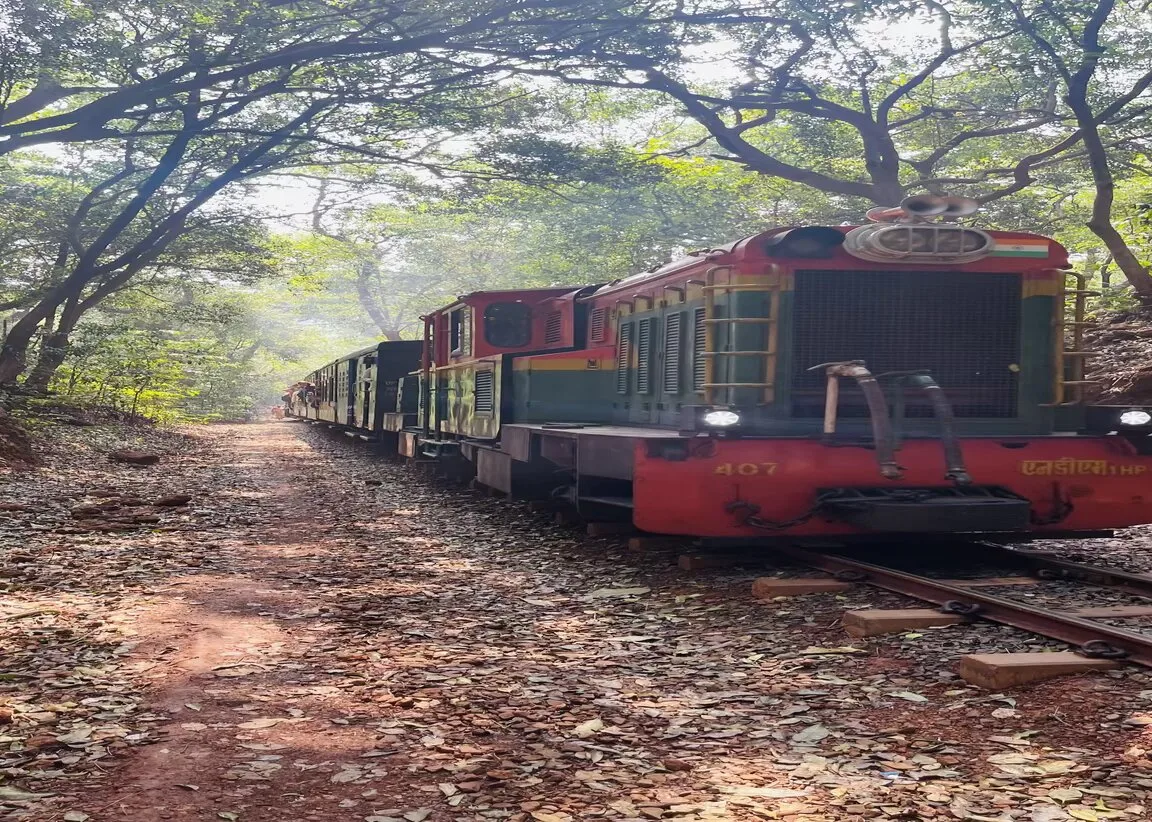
413,256
464,145
199,355
128,369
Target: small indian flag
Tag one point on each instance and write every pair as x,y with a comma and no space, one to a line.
1020,248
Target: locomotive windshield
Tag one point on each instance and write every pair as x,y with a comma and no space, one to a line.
508,325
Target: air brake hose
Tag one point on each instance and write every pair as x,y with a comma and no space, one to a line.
881,423
955,469
882,436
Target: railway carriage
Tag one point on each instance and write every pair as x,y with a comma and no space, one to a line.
360,391
911,375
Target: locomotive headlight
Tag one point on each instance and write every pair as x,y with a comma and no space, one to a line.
1126,421
721,418
715,421
1135,417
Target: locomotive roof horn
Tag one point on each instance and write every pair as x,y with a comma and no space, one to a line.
921,206
959,207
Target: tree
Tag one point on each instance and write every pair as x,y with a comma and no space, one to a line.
78,73
1105,69
349,254
136,205
180,350
390,263
225,248
178,117
875,100
811,94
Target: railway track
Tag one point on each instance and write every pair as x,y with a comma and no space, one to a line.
962,598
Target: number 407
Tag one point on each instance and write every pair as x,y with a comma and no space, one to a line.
745,469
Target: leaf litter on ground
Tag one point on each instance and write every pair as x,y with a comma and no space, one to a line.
503,665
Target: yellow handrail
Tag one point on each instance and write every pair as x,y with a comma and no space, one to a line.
1069,364
710,288
710,331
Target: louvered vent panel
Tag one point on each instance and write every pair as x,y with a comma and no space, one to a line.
598,324
672,354
485,392
644,357
698,340
623,355
552,328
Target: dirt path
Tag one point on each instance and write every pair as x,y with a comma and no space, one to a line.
321,635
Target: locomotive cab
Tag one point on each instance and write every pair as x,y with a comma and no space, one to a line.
466,378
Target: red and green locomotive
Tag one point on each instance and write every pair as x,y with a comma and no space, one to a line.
911,375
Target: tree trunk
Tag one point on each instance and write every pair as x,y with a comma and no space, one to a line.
53,348
53,351
73,378
15,348
136,400
1128,263
366,271
1079,100
1105,183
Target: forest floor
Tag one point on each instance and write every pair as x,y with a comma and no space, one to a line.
318,634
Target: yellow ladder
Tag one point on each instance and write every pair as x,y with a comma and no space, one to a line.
1070,357
711,321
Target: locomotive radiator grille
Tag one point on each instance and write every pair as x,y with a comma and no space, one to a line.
963,328
598,324
623,356
553,328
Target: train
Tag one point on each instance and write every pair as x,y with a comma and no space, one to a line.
912,374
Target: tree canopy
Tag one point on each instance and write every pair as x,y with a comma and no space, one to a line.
171,171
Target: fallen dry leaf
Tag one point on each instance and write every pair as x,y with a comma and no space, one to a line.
589,728
909,696
605,593
263,722
543,816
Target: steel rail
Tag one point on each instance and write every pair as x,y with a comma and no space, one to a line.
1131,583
1091,637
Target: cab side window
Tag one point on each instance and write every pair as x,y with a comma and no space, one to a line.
508,325
460,332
